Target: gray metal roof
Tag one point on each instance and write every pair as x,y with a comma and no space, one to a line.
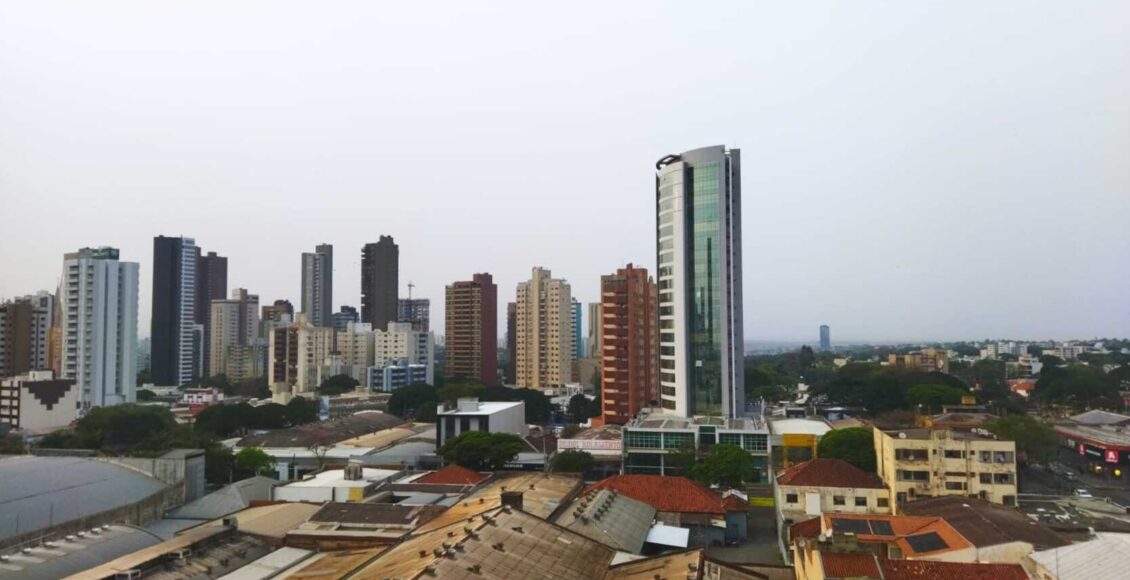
70,557
38,491
612,519
228,499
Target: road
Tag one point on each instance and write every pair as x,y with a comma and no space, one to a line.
1038,480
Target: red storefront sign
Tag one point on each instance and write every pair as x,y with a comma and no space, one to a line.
1082,449
1111,456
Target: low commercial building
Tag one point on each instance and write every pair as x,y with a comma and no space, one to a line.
818,564
711,518
396,374
38,403
999,534
354,483
927,360
470,414
1101,440
649,440
918,463
820,486
794,440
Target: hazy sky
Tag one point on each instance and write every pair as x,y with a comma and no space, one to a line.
942,170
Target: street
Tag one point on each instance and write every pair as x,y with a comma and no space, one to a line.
1038,480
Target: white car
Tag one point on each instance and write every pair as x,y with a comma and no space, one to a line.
1084,494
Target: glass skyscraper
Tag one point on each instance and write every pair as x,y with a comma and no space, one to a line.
699,255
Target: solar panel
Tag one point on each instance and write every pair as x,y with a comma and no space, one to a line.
850,526
881,528
927,542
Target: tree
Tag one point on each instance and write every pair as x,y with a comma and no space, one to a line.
411,398
12,444
580,409
572,461
300,411
460,388
681,460
145,395
270,416
480,450
337,385
934,396
1036,440
855,445
539,409
727,466
254,461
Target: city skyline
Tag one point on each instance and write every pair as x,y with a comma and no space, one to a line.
833,176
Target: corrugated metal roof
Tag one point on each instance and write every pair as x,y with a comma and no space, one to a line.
70,557
228,499
1107,556
42,490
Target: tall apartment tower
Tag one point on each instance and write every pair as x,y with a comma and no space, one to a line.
471,310
25,328
318,285
544,328
98,311
295,353
380,264
414,311
596,332
211,284
578,337
173,324
235,326
510,370
630,339
825,337
344,317
699,253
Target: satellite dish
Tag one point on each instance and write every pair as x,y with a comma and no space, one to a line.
902,435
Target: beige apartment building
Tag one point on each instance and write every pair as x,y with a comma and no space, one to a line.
920,463
234,326
927,360
296,354
545,334
355,344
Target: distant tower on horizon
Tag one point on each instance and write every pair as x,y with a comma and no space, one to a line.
318,285
825,337
699,276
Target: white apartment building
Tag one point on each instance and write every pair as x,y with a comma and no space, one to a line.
545,332
296,354
37,402
401,341
235,324
98,307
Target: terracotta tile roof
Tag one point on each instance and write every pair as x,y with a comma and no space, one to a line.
453,474
986,524
823,472
670,494
806,529
928,569
837,565
902,528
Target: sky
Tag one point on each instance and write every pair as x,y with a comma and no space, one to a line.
911,171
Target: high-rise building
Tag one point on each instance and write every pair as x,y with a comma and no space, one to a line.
355,346
544,328
172,326
318,285
510,369
471,349
344,317
825,337
380,263
596,333
699,252
296,354
578,336
401,341
25,328
235,326
98,305
211,284
281,313
414,311
630,360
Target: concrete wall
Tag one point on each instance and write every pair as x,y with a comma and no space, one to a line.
169,470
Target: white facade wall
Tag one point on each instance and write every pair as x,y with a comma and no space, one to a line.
98,305
400,341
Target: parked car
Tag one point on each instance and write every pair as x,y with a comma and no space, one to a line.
1084,494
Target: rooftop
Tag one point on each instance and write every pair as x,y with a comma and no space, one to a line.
542,495
336,478
614,520
1109,435
228,499
501,543
915,536
840,565
42,490
669,494
924,433
602,433
1106,556
481,408
663,421
689,564
816,427
388,437
986,524
453,474
1100,417
268,521
206,547
68,557
324,432
823,472
375,514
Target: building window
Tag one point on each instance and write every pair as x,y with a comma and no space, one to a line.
837,500
860,501
905,475
911,455
954,454
791,498
882,502
1005,478
643,439
955,485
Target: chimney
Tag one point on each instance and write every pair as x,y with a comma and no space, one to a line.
512,499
